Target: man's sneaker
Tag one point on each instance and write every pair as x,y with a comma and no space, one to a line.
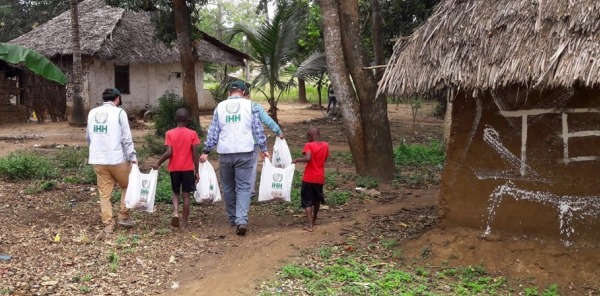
126,223
241,229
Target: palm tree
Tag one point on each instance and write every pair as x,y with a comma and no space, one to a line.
274,44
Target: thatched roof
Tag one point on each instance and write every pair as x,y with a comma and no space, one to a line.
487,44
118,35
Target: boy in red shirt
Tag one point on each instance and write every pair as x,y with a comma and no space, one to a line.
315,153
182,153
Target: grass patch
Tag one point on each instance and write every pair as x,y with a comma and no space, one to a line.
432,154
419,165
27,166
339,270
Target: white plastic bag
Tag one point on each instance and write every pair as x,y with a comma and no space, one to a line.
282,157
276,183
207,189
141,191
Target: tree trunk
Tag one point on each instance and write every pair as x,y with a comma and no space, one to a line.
78,117
188,58
377,33
363,112
344,91
378,139
302,91
272,103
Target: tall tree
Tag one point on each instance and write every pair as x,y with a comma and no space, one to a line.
377,33
188,57
363,112
78,116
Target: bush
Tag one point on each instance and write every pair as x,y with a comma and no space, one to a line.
154,145
71,157
164,114
419,155
26,165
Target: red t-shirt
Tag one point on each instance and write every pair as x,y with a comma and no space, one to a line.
181,139
315,168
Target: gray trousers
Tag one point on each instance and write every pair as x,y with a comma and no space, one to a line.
236,172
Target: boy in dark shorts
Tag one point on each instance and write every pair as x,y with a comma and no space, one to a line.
315,153
182,153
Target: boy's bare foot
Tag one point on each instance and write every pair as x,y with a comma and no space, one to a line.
308,228
175,221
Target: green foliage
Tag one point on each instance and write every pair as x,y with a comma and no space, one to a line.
164,114
399,18
154,145
337,198
274,43
37,186
71,157
389,243
163,188
84,289
420,155
292,271
367,182
31,13
34,61
26,166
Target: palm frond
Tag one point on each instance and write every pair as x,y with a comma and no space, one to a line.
313,68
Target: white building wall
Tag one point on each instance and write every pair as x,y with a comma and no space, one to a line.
147,82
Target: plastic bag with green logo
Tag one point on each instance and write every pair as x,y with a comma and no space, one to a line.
207,189
275,183
282,157
141,191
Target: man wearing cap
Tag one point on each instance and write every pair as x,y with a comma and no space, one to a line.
111,152
235,127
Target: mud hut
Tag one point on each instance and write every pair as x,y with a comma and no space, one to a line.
119,49
523,85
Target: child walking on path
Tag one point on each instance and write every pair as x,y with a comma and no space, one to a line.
315,153
182,153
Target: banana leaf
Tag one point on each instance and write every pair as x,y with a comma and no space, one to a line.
33,60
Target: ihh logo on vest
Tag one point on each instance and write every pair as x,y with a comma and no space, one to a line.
233,109
145,191
100,127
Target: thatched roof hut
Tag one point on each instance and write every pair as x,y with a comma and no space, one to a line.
523,81
119,49
118,35
482,44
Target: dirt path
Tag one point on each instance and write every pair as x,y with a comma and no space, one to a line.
257,257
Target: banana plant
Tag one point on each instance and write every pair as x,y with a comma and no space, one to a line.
34,61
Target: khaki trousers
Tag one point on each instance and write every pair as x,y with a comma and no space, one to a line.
107,176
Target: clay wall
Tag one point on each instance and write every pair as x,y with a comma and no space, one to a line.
525,162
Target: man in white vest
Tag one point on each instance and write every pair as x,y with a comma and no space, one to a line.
111,152
235,126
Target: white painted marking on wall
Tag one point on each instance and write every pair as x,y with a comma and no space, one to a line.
569,207
492,138
534,112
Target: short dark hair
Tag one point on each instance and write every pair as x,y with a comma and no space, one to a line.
110,94
182,115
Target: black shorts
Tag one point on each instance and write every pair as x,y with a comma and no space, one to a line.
310,193
183,181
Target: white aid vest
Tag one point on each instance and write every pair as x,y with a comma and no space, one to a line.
235,120
104,131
